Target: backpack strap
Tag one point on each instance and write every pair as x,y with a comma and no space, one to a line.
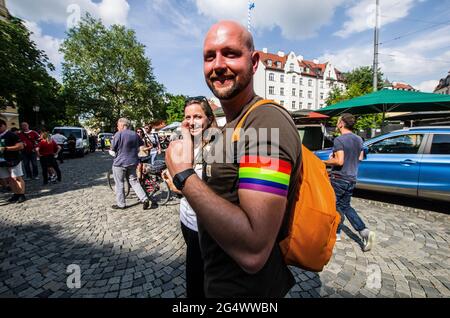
237,130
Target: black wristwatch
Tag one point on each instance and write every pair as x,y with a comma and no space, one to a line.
180,178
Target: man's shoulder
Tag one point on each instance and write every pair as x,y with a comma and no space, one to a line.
270,115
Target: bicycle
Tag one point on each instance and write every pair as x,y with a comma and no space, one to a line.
155,187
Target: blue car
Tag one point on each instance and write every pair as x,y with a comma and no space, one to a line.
412,161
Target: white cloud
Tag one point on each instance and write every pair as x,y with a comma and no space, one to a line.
362,15
181,21
46,43
296,19
427,86
419,61
62,11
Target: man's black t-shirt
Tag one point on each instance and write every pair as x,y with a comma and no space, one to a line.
223,276
9,139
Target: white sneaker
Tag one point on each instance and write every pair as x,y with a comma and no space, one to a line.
369,241
338,237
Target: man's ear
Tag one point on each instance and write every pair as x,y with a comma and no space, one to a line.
255,61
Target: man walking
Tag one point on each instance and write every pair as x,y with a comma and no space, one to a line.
126,145
347,152
243,204
10,165
31,139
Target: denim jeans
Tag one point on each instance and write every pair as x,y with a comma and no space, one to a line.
30,158
344,190
153,155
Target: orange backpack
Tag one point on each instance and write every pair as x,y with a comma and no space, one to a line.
314,220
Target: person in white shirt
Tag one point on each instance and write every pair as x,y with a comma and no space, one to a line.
60,139
200,117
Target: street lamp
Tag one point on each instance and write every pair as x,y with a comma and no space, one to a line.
36,110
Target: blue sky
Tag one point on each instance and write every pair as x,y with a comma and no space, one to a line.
415,34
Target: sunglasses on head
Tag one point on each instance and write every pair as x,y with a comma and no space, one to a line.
197,98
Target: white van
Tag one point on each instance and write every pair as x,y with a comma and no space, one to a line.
81,136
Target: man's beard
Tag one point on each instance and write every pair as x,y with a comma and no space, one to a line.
234,90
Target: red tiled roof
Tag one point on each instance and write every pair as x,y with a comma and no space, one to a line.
313,68
264,57
213,105
402,86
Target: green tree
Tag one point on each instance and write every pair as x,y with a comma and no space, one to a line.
359,82
24,80
107,75
175,108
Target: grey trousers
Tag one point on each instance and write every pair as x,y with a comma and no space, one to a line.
120,173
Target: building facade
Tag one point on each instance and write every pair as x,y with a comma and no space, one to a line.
444,86
3,11
294,82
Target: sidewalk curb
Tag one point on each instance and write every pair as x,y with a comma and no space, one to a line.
423,214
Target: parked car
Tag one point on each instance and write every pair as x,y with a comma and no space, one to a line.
413,161
79,134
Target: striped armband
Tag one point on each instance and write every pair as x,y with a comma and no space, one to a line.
264,174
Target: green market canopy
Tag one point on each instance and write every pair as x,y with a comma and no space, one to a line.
389,101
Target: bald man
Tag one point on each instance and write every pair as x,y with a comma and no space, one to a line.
241,212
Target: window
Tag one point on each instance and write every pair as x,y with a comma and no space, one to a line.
282,78
310,83
271,77
440,145
309,94
271,90
269,62
307,70
293,92
321,84
293,79
309,105
408,144
300,105
301,81
293,104
282,91
291,67
321,95
278,64
301,93
282,102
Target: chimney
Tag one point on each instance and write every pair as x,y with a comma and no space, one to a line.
264,50
280,53
316,61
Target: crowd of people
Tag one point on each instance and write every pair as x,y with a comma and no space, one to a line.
233,212
20,150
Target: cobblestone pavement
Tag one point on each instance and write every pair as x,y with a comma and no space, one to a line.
136,253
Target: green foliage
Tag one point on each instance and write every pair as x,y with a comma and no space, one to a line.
175,108
108,76
24,80
359,82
